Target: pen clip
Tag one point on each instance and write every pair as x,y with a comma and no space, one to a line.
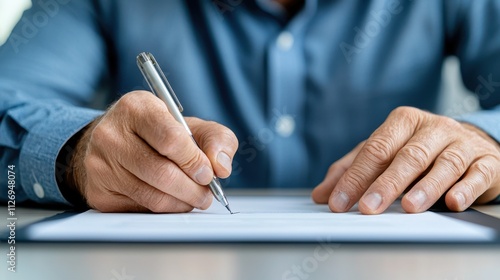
145,57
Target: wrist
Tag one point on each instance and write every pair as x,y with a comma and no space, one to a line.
481,133
71,171
65,170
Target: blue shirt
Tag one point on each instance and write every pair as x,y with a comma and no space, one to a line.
298,92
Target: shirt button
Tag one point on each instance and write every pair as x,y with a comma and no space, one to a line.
285,41
285,125
38,190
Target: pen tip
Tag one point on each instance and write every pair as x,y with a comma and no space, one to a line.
229,209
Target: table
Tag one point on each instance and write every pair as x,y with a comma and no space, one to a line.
249,261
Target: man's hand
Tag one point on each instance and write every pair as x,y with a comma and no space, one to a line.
138,158
431,154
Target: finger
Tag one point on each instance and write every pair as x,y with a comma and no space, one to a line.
109,190
117,203
374,157
151,120
158,171
321,193
218,143
409,163
101,198
449,166
152,198
477,180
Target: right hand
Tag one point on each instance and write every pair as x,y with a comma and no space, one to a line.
138,158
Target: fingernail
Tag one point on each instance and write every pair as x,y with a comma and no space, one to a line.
460,200
373,201
340,201
417,198
224,160
204,175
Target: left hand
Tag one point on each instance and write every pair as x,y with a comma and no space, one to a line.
432,154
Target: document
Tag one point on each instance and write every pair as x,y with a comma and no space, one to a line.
262,219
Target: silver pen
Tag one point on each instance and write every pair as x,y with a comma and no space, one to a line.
160,86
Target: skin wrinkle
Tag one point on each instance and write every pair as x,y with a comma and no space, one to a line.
442,143
377,165
116,150
417,158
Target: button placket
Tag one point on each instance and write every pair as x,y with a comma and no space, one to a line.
286,101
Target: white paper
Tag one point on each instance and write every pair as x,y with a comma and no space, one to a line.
282,219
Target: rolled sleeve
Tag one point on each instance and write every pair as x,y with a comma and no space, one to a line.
46,82
42,145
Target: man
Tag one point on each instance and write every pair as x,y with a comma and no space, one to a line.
298,82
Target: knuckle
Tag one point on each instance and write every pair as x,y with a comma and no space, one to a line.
485,171
135,103
192,162
129,102
218,134
166,174
207,134
230,138
404,112
390,184
454,161
378,150
417,156
433,187
217,125
470,188
354,179
225,131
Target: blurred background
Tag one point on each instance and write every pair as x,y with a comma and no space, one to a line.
10,13
455,99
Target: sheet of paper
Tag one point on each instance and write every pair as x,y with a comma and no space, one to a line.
282,219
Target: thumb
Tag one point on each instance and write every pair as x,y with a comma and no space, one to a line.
218,142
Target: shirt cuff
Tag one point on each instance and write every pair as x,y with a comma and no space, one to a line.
41,147
487,120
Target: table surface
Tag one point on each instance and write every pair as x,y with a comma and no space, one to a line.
249,261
